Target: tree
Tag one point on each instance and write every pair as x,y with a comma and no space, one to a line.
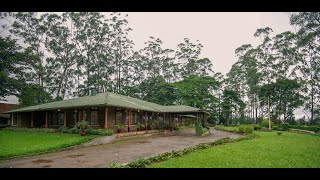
33,94
187,55
13,64
231,103
309,66
283,95
121,50
90,31
62,49
161,92
197,92
30,27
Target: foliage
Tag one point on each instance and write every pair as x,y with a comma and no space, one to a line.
33,94
102,132
284,126
82,125
245,129
16,142
2,126
12,64
290,150
140,125
256,127
195,91
304,127
142,163
231,101
74,130
32,130
226,128
120,126
265,123
200,130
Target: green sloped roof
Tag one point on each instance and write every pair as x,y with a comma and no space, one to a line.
99,99
109,99
189,115
178,108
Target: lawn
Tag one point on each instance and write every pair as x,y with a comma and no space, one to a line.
15,143
289,150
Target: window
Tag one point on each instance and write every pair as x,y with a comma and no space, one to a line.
60,118
15,119
118,117
80,115
52,118
94,116
135,118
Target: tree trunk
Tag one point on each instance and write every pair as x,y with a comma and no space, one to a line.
269,113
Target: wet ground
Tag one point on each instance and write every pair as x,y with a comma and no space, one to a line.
123,150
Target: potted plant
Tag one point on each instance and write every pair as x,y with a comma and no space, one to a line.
82,125
140,126
120,127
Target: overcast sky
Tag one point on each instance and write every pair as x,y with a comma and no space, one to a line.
219,32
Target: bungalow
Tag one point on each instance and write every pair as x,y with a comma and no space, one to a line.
104,110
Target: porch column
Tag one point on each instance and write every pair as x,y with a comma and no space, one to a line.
32,124
11,119
158,120
129,120
65,119
46,119
106,118
146,119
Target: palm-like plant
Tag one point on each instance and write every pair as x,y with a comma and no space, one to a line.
82,125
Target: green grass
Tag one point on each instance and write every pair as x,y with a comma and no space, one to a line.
289,150
16,143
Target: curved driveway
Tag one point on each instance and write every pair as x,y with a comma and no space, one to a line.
121,151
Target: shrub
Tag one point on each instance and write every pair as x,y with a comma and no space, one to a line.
200,130
245,129
284,127
265,123
304,127
256,127
47,130
102,132
191,126
3,126
73,130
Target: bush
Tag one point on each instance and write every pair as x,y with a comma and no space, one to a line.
102,132
191,126
245,129
3,126
284,127
256,127
304,127
200,130
265,123
47,130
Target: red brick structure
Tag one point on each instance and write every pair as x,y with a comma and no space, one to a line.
5,118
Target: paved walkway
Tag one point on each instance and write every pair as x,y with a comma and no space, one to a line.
121,151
